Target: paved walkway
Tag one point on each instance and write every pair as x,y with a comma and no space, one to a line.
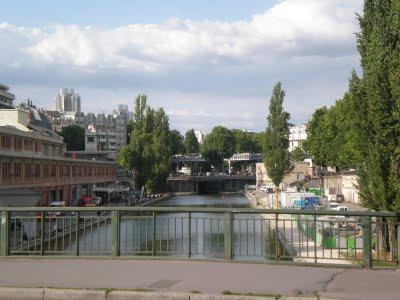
207,277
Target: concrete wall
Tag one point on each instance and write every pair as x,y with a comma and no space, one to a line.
299,172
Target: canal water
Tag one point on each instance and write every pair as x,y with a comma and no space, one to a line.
176,234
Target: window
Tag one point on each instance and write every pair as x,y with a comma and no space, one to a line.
17,170
17,144
28,145
38,147
28,171
53,171
6,170
45,171
37,171
90,139
5,142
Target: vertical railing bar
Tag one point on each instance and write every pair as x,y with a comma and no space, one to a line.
63,234
247,237
367,251
284,235
105,233
116,227
315,239
307,230
175,237
167,219
77,233
5,234
240,236
98,234
147,234
182,236
21,234
190,235
254,237
29,234
211,234
84,234
276,237
42,233
15,235
347,242
291,236
139,234
218,230
91,234
204,237
262,237
49,235
323,239
154,234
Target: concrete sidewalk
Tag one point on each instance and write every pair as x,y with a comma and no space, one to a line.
206,277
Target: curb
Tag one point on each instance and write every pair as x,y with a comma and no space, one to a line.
14,293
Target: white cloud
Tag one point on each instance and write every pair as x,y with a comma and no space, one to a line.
296,41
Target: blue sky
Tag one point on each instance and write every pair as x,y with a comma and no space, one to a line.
206,62
122,12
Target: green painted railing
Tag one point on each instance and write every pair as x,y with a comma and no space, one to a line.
363,239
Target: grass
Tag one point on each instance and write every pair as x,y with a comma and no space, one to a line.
275,296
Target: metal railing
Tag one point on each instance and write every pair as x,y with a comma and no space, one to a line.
362,239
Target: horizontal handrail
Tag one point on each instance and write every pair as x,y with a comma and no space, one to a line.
206,209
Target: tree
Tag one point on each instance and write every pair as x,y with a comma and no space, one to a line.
74,137
219,144
148,152
245,142
176,142
191,143
276,153
297,154
129,128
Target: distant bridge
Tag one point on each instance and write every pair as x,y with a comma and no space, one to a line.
209,184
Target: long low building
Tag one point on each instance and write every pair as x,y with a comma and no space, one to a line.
33,167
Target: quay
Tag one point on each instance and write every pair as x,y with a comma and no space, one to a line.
154,278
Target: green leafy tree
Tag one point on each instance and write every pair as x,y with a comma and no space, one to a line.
298,154
148,152
191,143
276,154
74,137
219,144
176,142
245,142
129,128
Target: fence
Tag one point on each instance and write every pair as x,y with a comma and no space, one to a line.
292,236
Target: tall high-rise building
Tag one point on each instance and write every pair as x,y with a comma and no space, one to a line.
67,100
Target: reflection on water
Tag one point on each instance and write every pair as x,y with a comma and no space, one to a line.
177,233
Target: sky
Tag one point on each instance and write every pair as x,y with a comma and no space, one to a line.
208,63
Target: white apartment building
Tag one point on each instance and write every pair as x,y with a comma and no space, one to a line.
200,136
68,101
6,98
297,136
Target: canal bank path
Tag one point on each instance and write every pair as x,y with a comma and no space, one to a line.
202,276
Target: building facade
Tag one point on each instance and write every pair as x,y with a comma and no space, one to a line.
33,167
67,100
297,136
6,98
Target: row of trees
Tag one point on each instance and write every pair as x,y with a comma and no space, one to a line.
362,130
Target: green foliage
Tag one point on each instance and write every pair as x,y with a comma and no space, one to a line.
378,106
246,142
129,128
148,152
191,143
219,144
297,154
74,137
276,154
176,142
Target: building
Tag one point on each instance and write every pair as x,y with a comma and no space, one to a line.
298,174
201,136
68,101
107,133
123,111
6,98
33,167
297,136
342,184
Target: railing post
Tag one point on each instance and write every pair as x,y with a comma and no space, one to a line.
228,241
77,233
398,242
189,235
277,252
4,233
154,233
367,244
115,229
42,233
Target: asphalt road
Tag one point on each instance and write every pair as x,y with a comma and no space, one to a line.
207,277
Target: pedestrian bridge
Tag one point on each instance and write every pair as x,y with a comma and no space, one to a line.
240,234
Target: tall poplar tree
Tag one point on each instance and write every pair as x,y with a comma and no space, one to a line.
191,143
276,153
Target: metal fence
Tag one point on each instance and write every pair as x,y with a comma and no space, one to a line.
292,236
